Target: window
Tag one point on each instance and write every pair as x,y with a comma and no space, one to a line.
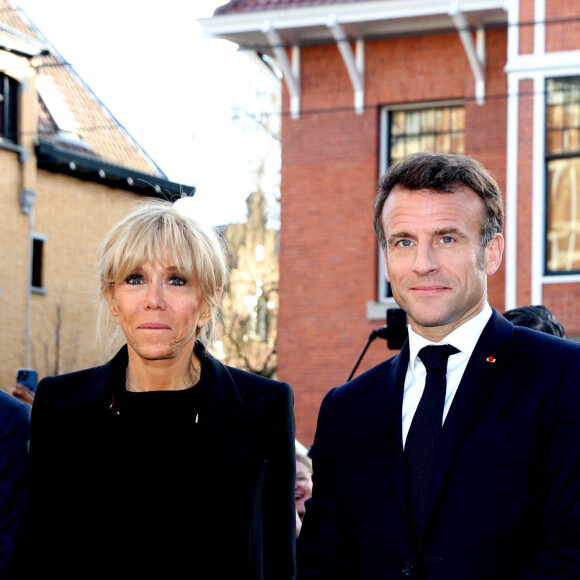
563,175
8,108
439,129
36,263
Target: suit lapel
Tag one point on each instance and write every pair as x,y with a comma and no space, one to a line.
388,408
227,423
491,354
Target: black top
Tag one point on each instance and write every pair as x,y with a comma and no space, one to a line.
158,431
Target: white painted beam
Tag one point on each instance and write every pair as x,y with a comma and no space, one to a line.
475,55
291,71
354,64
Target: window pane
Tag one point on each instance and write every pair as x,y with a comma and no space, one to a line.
563,174
37,248
444,143
428,143
554,141
562,115
397,123
437,129
413,123
429,124
563,215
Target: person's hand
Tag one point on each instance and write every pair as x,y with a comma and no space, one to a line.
23,393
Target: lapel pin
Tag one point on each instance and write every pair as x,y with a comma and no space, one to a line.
490,359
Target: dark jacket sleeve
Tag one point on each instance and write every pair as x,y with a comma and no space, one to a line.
320,550
278,496
14,439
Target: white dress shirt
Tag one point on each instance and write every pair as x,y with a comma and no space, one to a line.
464,339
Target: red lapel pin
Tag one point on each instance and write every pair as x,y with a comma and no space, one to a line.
490,359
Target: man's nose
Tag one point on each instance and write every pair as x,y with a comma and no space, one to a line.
425,259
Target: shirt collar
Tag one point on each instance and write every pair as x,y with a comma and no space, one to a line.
464,338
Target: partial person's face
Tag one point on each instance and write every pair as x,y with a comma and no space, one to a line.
159,311
303,487
434,261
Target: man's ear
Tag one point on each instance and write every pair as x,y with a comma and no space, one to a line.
493,254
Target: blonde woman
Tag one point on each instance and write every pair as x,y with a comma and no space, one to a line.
162,463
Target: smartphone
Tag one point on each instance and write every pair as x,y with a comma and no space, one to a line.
397,328
28,378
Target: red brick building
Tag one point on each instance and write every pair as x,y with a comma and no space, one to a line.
366,82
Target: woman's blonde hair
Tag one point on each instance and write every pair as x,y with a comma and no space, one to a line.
155,231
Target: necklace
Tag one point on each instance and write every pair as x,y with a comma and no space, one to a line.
193,379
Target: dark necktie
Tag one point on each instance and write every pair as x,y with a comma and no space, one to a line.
423,436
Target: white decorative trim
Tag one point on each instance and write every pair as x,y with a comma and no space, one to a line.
354,65
291,71
475,53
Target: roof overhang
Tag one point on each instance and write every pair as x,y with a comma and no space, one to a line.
21,44
62,161
268,34
359,20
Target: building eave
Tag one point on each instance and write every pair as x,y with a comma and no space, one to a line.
268,34
55,159
21,44
360,20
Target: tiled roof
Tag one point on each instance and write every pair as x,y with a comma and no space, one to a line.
238,6
99,133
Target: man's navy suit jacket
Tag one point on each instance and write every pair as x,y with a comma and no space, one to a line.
505,500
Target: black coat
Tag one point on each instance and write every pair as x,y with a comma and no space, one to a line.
243,525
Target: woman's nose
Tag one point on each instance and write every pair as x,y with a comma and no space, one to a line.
154,297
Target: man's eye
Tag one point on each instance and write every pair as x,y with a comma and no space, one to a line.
404,243
447,240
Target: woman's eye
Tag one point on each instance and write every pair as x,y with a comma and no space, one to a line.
133,279
177,281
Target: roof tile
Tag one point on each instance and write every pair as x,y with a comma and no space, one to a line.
239,6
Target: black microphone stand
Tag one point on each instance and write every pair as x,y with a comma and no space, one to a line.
377,333
394,332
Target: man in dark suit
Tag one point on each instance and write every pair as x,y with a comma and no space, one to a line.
500,496
14,437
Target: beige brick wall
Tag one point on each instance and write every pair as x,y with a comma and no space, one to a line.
74,216
13,269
